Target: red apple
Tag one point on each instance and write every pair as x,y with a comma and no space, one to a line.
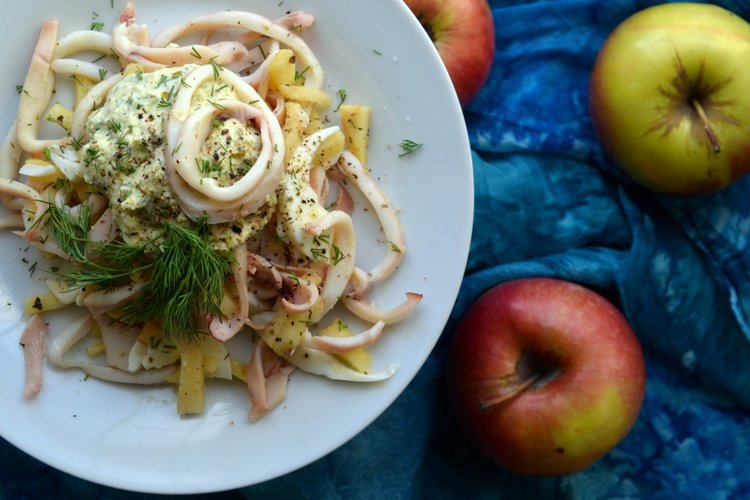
669,97
464,35
545,376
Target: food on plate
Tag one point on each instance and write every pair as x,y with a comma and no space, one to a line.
464,35
668,98
198,193
545,376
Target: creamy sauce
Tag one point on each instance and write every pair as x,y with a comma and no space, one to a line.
123,157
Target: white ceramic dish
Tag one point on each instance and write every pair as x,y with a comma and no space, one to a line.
132,437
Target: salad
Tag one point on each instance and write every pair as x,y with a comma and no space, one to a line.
201,191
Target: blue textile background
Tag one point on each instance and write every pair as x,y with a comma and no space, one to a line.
550,204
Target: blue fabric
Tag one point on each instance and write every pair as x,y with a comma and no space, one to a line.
550,204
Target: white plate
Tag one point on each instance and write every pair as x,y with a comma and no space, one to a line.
132,437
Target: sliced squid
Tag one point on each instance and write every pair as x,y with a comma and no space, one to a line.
370,313
327,365
118,337
82,41
325,238
80,329
337,345
34,343
130,42
255,24
267,377
350,165
199,196
222,329
37,92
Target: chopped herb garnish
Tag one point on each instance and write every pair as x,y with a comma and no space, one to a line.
342,97
206,167
338,255
97,26
166,101
114,126
322,239
218,68
294,278
377,52
300,75
318,253
408,146
195,53
216,105
187,275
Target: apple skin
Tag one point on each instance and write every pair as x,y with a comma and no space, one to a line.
642,90
464,35
592,367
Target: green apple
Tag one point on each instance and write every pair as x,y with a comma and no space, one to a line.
670,97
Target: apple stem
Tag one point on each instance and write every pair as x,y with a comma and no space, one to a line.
706,126
514,391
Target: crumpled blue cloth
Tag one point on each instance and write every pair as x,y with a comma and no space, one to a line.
550,204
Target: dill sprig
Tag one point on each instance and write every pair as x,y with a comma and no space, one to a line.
408,146
187,279
87,258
